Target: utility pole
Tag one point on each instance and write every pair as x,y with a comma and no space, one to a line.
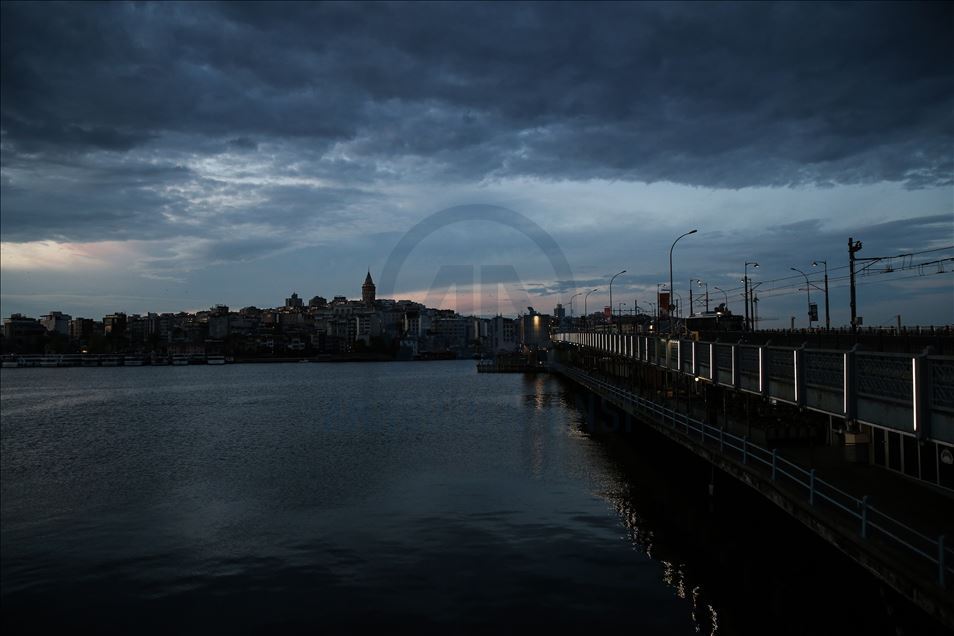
690,296
853,246
745,279
827,316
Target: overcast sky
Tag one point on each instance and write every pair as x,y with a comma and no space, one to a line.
166,157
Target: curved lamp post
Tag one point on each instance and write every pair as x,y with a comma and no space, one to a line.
671,288
586,318
611,295
571,303
808,290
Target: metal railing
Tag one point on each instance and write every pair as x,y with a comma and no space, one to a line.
870,522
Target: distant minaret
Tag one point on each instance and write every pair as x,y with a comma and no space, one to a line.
367,291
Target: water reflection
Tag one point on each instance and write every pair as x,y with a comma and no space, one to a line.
622,493
674,574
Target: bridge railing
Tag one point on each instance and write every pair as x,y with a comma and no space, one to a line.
910,394
869,521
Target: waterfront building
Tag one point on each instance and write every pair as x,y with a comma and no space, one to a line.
56,322
81,329
114,324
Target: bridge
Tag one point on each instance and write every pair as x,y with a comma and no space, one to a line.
896,521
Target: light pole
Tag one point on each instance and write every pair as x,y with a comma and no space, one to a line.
571,304
611,296
808,290
701,283
724,294
586,318
671,288
745,280
827,318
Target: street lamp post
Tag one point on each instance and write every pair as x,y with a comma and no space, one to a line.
586,317
701,283
571,304
724,294
671,288
611,295
808,290
745,280
827,317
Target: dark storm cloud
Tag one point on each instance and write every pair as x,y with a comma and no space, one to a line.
720,95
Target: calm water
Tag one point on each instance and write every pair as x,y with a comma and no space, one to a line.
251,497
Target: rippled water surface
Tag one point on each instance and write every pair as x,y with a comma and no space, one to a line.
186,498
416,497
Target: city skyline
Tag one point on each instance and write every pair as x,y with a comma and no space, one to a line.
151,164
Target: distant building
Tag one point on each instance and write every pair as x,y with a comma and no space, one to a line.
81,329
115,324
368,291
559,313
56,322
317,302
294,302
502,334
23,334
534,330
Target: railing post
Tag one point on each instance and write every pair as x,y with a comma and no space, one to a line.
811,487
721,440
745,449
774,462
940,560
864,517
